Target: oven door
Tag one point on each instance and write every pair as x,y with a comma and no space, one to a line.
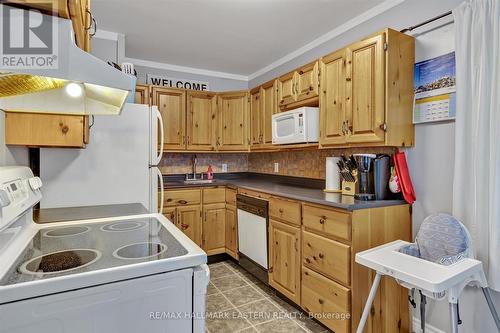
287,128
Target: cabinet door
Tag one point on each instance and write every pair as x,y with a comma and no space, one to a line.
307,81
255,118
286,89
231,232
269,107
141,94
284,253
201,120
233,121
365,90
189,221
332,105
214,217
171,214
172,106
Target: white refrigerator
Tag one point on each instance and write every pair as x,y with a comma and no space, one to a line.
118,166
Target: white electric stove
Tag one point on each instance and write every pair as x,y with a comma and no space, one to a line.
122,274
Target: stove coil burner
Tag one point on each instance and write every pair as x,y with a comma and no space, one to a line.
67,231
60,261
123,226
140,250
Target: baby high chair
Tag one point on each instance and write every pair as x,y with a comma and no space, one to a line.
439,264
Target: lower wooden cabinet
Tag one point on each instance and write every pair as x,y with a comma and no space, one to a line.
284,256
214,217
323,297
231,231
188,219
46,130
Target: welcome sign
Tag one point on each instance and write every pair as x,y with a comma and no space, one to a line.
166,81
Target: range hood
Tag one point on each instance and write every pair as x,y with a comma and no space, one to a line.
79,84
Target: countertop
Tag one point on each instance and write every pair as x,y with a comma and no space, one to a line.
47,215
289,187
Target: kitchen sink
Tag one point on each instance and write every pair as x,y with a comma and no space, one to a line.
199,181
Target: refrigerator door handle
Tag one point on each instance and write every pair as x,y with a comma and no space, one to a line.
162,190
158,118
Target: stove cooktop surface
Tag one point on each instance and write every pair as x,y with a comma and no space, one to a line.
72,249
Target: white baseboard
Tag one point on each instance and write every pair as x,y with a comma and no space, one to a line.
428,328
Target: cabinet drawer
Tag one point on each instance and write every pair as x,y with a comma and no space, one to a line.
182,198
324,296
328,221
285,210
214,195
326,256
255,194
231,197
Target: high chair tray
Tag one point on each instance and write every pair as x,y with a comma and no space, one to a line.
423,274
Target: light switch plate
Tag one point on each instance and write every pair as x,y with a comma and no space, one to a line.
276,167
224,167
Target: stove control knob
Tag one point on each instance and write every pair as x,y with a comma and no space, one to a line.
4,199
35,183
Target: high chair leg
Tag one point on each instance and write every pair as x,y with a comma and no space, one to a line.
493,311
454,317
369,301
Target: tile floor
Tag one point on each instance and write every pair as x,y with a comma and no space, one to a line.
238,302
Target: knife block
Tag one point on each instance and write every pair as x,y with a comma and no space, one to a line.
349,187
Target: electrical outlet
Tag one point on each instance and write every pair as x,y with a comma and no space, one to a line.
224,167
276,167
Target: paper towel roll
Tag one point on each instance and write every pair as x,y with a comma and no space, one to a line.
332,181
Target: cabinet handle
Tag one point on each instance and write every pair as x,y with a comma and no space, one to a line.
296,244
344,132
320,301
308,260
321,255
280,210
348,79
349,127
322,220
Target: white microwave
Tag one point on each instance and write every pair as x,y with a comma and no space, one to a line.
296,126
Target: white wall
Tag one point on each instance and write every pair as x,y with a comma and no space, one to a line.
109,50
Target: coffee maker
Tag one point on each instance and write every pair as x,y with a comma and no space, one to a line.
373,177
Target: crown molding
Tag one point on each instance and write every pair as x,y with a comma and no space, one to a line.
369,14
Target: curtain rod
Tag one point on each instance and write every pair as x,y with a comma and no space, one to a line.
427,22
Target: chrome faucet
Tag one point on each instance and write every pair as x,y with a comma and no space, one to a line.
194,161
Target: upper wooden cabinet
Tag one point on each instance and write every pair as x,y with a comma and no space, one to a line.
298,86
367,92
172,106
268,108
201,121
142,94
332,101
76,10
255,117
232,132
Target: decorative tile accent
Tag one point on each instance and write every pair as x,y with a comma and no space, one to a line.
176,163
307,163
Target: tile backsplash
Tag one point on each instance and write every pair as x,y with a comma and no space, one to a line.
306,163
175,163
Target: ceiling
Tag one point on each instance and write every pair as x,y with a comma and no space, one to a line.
230,36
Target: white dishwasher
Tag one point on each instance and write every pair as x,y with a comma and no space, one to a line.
253,226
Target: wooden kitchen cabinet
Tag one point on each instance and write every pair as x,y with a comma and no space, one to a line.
233,118
142,94
231,231
214,228
299,86
172,106
284,256
268,108
201,121
255,117
46,130
188,220
332,100
171,214
367,92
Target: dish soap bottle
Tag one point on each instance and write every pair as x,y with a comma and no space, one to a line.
210,173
